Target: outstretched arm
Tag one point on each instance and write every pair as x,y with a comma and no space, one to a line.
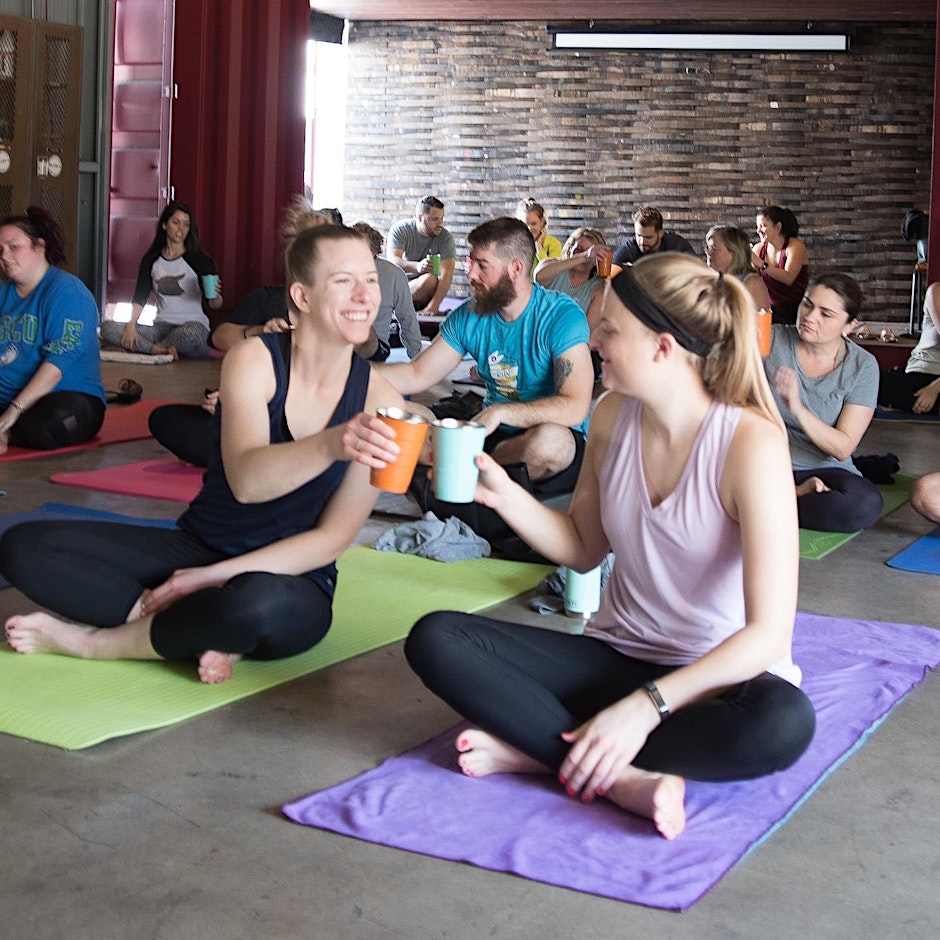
574,381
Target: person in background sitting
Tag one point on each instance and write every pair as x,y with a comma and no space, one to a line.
728,251
826,387
917,388
648,238
411,243
50,365
171,270
783,261
396,298
575,272
546,246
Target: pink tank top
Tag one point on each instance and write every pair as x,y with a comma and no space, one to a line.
676,590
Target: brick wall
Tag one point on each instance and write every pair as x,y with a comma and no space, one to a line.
482,114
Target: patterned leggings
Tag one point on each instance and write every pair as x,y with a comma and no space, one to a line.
190,339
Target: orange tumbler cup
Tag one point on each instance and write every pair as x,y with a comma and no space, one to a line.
763,323
410,432
603,266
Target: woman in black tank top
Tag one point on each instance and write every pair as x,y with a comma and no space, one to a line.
249,572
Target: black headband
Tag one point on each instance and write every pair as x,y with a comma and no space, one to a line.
648,312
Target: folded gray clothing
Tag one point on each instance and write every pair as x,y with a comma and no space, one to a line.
554,583
428,537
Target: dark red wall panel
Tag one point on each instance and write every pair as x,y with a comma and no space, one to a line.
237,152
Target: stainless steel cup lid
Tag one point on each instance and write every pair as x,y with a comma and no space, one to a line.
399,414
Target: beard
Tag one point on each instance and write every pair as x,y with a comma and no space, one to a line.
485,300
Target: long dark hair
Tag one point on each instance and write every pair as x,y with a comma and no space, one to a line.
191,243
785,218
37,223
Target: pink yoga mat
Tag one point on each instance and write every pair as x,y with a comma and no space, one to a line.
855,672
166,478
121,423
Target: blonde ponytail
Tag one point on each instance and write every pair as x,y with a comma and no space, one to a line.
718,311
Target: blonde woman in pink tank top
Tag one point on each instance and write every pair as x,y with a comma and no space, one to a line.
685,671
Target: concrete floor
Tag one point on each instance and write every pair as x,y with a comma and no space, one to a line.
177,833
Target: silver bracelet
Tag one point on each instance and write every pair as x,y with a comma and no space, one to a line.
658,700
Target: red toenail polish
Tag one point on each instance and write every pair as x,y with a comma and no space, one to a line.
562,779
570,791
601,791
586,798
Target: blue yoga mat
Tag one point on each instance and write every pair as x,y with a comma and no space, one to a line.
64,511
922,556
883,414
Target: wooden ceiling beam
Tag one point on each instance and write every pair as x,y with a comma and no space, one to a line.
624,11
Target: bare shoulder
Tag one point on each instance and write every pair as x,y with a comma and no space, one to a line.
755,434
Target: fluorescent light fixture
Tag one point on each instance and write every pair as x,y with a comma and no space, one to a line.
717,42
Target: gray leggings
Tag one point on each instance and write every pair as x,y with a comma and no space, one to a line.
190,339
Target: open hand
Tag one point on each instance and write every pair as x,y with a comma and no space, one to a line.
606,745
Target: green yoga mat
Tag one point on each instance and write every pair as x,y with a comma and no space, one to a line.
77,703
815,545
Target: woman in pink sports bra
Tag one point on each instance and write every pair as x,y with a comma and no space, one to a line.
685,671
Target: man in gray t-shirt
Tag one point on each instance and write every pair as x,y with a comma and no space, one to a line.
412,243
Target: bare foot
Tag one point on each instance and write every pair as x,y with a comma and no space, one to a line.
811,485
658,797
216,667
164,351
482,754
42,633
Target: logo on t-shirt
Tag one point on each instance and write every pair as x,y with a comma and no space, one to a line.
169,285
9,355
504,373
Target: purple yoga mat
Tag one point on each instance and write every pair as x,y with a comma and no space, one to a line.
854,672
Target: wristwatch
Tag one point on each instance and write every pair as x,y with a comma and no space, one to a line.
764,266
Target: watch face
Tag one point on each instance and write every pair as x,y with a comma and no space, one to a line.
4,161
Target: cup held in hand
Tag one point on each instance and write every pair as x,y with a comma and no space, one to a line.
210,286
456,447
763,323
603,266
582,592
410,432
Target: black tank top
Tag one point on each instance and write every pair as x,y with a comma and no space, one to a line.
234,528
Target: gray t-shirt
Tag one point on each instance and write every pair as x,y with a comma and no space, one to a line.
396,299
854,381
415,246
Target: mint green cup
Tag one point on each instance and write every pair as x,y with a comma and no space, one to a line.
210,286
582,592
456,445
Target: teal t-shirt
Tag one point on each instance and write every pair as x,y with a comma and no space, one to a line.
517,360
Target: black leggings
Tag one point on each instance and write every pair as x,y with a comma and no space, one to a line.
526,685
851,504
94,572
896,389
58,419
186,431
